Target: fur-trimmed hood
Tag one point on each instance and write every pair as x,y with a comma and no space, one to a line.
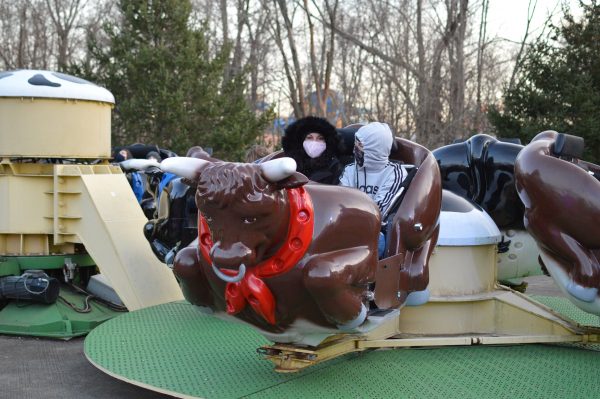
294,137
297,131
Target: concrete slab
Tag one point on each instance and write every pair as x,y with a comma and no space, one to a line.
36,368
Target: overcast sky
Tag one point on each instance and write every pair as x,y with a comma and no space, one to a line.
508,18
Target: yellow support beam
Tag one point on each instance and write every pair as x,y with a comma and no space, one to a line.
101,212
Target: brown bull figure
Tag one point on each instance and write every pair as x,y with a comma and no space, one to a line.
561,195
272,250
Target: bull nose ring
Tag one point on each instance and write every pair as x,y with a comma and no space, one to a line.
227,278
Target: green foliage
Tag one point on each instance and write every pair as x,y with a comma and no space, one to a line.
168,87
559,85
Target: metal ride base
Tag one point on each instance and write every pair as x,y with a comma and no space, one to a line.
466,307
175,349
501,317
57,320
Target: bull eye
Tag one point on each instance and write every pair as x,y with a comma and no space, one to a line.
248,219
208,219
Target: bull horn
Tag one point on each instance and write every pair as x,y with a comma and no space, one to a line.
230,279
183,166
278,169
138,164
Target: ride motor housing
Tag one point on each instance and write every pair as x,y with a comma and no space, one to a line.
32,285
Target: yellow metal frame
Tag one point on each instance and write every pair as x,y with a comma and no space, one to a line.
54,128
46,209
50,208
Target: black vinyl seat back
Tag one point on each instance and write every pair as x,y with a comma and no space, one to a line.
568,146
345,151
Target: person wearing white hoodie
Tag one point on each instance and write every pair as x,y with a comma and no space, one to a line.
372,172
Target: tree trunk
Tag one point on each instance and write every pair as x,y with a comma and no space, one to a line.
480,48
300,109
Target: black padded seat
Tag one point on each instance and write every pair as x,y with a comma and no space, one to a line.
568,146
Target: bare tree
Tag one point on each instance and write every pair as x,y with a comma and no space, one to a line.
457,10
294,71
308,73
224,20
27,40
259,48
427,68
530,12
349,71
47,34
418,65
417,72
65,14
481,44
321,67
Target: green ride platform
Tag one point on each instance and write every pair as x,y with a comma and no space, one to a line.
56,320
175,349
16,265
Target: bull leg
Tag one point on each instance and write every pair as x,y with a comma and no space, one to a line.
580,263
584,268
417,246
414,277
415,274
191,277
338,280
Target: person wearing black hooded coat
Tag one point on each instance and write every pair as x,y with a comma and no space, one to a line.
324,168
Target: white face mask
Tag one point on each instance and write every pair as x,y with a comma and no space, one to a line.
314,148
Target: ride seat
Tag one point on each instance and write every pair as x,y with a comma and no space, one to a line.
399,196
567,146
346,148
570,148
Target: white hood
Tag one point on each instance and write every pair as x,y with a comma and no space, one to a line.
377,139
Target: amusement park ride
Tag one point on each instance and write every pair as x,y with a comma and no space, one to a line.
329,295
297,261
65,209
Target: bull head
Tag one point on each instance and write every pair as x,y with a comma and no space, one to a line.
280,172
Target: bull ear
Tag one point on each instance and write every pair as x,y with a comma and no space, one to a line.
297,179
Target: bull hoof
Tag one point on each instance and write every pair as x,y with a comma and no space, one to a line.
417,298
357,321
582,293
